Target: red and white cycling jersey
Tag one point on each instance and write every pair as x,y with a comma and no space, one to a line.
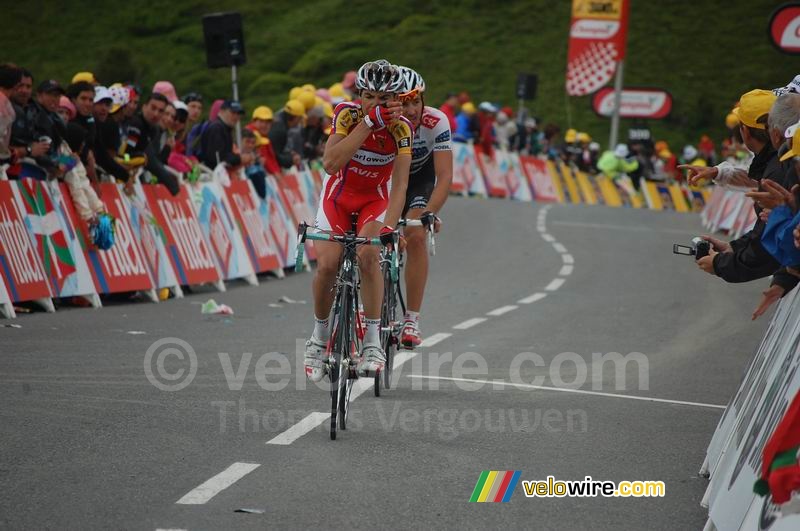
433,135
363,184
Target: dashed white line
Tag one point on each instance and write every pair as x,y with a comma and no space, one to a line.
435,338
548,238
469,323
532,298
559,248
566,270
568,259
217,484
555,284
502,310
301,428
501,383
315,419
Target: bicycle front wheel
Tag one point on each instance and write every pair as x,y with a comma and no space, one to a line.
338,368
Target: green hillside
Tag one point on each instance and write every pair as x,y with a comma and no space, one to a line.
704,52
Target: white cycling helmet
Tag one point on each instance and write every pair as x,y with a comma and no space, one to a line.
380,76
411,80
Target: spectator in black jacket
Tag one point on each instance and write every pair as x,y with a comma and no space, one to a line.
290,117
102,149
82,96
32,123
143,138
216,144
745,258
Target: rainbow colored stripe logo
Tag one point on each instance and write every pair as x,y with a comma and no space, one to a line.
495,486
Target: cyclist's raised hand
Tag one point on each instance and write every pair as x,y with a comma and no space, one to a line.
380,116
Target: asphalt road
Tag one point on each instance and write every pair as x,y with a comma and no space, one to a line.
88,442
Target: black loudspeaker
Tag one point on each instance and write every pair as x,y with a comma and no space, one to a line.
526,86
224,40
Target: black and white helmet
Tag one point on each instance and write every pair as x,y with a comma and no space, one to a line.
411,80
379,76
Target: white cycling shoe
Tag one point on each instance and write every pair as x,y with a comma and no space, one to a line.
315,360
372,360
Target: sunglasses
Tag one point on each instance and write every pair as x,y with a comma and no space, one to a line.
409,96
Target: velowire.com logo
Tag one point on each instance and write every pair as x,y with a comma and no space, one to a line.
495,486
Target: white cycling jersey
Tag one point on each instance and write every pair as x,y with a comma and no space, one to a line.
433,134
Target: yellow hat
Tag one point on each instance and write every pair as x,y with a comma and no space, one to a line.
468,107
309,87
308,99
260,140
318,101
84,76
295,108
570,136
584,137
753,106
731,121
294,93
336,90
327,108
262,113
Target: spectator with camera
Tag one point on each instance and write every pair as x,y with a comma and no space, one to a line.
290,117
764,120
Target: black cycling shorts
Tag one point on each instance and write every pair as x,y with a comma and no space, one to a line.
420,187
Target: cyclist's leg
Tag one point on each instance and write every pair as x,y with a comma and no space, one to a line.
416,276
329,216
370,222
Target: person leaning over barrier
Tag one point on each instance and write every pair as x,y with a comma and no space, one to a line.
290,117
745,258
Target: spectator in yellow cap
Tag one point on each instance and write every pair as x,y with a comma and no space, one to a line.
308,99
295,93
88,77
290,117
261,125
337,94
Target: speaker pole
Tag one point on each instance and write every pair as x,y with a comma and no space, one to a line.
614,135
235,86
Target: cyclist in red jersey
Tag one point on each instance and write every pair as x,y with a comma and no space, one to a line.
367,157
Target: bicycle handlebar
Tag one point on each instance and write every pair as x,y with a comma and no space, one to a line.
303,235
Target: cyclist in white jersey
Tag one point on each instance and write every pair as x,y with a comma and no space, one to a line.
428,188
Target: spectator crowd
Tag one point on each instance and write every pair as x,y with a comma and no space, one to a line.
85,132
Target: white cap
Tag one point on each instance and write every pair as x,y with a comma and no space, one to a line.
792,87
180,106
621,151
689,152
102,93
487,107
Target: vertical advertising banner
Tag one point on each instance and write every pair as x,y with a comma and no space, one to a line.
465,168
55,240
152,238
495,181
20,268
121,268
244,204
276,217
188,251
597,36
539,178
221,231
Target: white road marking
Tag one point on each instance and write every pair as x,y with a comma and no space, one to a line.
559,248
469,323
217,484
363,384
548,238
502,310
170,529
530,299
301,428
497,383
541,228
566,270
435,338
568,258
555,284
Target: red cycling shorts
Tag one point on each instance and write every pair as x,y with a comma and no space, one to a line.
337,203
